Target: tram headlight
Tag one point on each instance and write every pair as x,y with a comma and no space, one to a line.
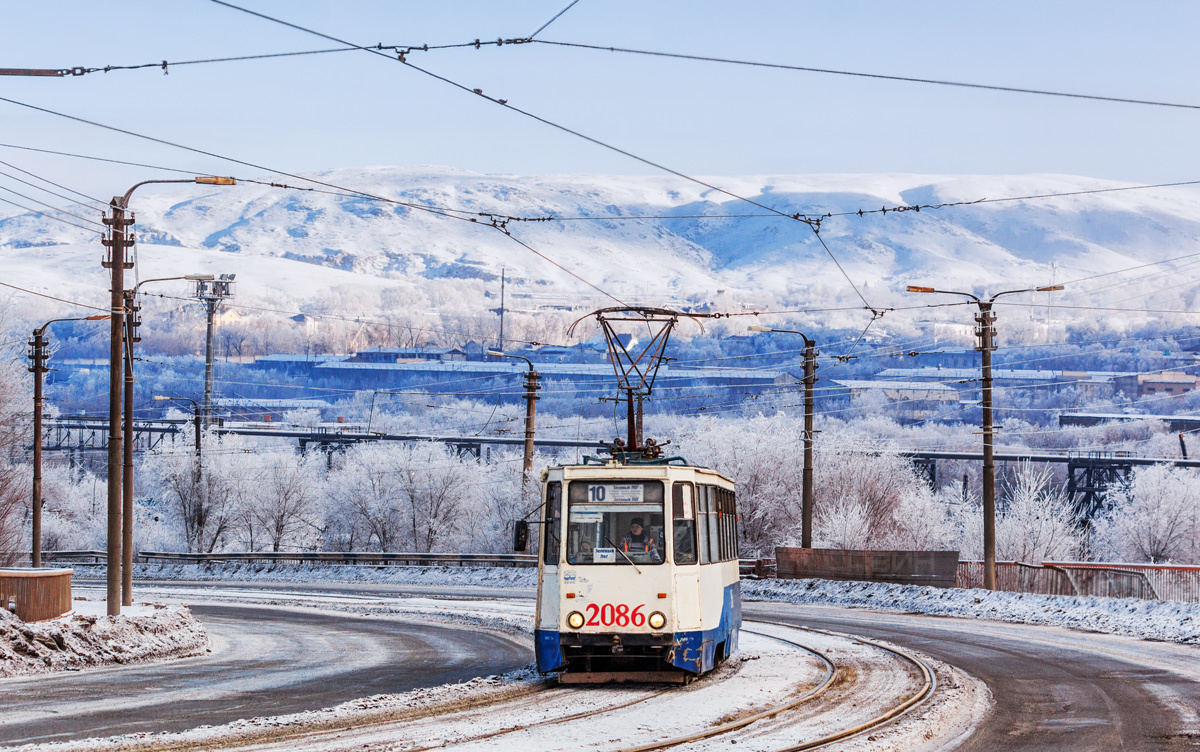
656,620
575,620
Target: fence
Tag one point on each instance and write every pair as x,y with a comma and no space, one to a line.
933,568
36,594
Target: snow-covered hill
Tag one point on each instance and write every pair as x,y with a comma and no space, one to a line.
291,246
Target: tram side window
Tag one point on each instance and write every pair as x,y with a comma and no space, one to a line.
714,526
553,526
685,523
735,519
721,519
702,523
727,523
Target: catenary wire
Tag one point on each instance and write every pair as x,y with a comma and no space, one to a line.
879,76
504,103
50,216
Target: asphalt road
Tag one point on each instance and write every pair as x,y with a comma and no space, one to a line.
265,662
1054,689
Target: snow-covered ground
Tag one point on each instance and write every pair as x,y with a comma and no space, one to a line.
521,711
1171,621
85,637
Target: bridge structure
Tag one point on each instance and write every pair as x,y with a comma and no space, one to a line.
1089,475
84,434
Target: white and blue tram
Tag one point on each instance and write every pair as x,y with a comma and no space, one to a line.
638,573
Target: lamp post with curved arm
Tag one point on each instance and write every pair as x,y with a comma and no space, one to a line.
810,379
531,388
986,332
37,366
117,241
132,322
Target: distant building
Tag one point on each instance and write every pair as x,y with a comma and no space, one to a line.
1167,382
914,400
407,355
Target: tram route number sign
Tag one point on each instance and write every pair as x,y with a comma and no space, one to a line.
615,615
616,493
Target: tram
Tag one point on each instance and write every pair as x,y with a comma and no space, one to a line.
638,571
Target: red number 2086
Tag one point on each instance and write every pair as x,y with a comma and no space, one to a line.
620,615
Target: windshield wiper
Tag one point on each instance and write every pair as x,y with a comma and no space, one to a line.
618,550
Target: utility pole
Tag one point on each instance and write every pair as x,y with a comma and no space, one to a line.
986,332
116,241
985,318
132,322
211,293
532,385
37,366
810,380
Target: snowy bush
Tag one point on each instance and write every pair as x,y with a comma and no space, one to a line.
1156,518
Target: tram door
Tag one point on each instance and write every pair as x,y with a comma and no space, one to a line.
687,571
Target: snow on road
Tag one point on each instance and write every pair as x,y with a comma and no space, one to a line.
86,637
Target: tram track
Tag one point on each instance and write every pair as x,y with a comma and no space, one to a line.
929,685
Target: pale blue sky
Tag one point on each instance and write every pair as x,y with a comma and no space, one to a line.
355,109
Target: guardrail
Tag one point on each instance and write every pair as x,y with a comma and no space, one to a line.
371,558
1168,582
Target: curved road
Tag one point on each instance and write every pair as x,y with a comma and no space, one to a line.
265,661
1053,688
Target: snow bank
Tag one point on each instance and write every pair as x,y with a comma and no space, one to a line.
81,638
1170,621
490,577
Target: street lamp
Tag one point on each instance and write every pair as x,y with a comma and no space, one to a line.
531,387
986,332
117,241
132,322
810,379
37,366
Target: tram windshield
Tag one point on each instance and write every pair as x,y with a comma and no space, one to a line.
615,522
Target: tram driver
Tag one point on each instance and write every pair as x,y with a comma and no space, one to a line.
637,541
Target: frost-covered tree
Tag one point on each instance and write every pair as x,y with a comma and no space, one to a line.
1038,522
198,495
413,497
1156,517
15,473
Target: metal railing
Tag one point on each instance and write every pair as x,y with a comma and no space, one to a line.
370,558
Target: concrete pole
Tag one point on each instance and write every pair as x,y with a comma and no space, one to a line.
810,377
985,319
127,471
210,307
116,243
531,387
38,356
